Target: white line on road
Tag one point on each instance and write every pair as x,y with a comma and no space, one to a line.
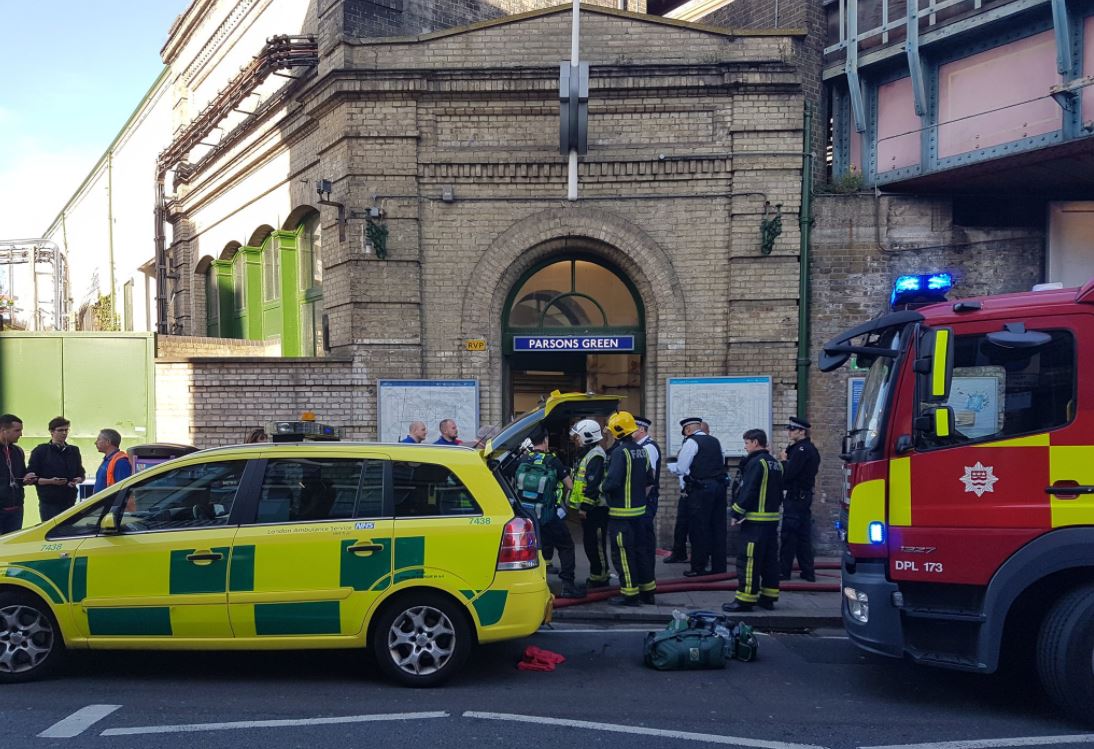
710,738
287,723
78,722
1080,738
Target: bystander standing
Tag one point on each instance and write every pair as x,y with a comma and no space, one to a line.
115,465
58,470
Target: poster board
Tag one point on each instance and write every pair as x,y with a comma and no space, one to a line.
731,405
403,401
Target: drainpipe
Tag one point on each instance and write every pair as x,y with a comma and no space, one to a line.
110,231
805,224
161,255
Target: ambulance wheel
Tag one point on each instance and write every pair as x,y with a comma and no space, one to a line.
421,639
1065,653
30,640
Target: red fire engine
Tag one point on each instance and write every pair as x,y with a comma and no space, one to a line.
969,511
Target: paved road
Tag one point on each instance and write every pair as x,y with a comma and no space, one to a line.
812,690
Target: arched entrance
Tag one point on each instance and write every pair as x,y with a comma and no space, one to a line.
573,323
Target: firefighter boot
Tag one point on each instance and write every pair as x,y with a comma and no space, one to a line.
647,597
625,601
570,590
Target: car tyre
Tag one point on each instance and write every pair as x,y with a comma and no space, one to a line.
31,645
421,639
1065,653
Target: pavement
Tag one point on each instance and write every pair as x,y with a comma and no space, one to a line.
801,605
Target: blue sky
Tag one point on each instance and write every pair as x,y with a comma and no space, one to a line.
74,70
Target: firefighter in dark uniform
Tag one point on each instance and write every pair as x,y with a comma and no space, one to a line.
800,464
648,537
625,481
756,510
701,465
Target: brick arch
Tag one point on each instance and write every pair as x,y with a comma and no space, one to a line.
258,236
594,231
297,217
229,250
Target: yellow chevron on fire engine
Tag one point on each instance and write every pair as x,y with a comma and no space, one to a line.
900,492
1074,463
867,505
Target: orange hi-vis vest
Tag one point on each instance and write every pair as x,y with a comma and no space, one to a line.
113,462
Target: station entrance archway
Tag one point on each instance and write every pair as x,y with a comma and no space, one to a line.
573,323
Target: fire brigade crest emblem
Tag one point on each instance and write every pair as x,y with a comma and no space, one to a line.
979,479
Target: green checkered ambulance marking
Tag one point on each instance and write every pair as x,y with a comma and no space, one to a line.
490,606
39,580
187,577
147,621
363,573
241,572
308,618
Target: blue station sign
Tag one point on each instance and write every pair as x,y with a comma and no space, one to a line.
573,343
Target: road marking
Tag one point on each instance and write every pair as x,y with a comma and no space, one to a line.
709,738
78,722
1080,738
287,723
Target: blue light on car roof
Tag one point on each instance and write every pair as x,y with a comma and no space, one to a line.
924,288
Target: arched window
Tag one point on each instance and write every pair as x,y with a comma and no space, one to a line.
312,331
574,293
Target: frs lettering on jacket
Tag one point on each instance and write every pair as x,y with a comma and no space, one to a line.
979,479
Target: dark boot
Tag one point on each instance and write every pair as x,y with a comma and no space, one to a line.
625,601
673,559
590,583
736,607
766,603
647,597
570,590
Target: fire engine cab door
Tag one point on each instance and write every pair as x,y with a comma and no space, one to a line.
960,505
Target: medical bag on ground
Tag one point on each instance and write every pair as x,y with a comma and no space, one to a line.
743,644
686,649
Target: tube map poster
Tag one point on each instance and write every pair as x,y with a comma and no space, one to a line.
730,405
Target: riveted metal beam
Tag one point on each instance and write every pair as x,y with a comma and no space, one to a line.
854,83
1061,24
915,64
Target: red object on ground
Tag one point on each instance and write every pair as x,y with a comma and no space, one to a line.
538,659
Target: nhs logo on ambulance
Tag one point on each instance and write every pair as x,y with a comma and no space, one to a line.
575,343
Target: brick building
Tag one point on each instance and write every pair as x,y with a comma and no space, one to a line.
443,219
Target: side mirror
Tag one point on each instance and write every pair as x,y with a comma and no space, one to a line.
938,421
936,364
108,525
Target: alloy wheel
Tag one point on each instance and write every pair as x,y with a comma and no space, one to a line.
26,638
421,640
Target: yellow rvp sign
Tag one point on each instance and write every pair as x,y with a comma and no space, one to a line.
475,344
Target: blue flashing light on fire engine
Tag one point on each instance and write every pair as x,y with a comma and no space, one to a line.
875,532
925,288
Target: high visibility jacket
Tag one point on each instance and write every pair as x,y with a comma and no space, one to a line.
761,490
626,479
588,478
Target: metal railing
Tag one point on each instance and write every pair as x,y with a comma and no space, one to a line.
873,22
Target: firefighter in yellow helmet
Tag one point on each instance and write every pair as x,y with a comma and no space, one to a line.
628,475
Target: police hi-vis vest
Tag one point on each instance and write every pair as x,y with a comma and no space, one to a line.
577,494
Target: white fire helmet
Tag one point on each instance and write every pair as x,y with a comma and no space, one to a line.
588,430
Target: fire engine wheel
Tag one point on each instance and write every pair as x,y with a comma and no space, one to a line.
30,640
1065,653
421,639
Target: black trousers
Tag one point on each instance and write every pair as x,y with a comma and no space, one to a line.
680,529
796,538
647,543
594,537
707,525
758,562
47,510
634,575
558,535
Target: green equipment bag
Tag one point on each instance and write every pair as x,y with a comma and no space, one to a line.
536,484
683,650
743,644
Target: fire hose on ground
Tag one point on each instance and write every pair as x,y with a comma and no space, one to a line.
720,582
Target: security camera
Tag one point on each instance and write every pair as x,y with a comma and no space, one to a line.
323,186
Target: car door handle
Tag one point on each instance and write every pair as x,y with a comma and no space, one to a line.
364,548
1068,489
204,557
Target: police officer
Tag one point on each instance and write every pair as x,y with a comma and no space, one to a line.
553,530
701,465
647,538
756,510
625,481
587,499
800,463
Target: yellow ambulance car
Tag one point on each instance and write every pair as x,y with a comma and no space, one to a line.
415,551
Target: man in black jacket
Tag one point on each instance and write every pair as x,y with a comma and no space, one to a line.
13,472
756,510
800,464
59,469
625,480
